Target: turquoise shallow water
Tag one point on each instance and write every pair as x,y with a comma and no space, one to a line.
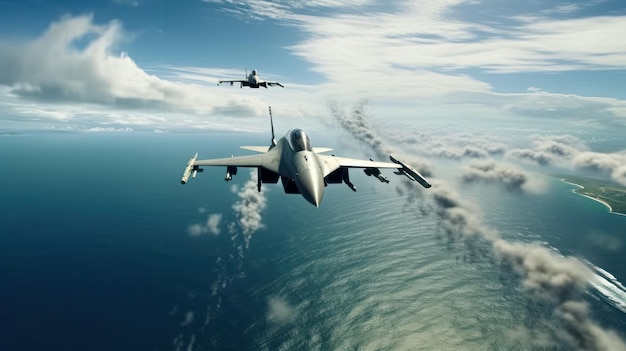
95,254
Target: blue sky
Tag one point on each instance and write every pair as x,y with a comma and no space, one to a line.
140,64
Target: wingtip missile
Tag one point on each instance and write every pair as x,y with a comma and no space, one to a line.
410,172
189,169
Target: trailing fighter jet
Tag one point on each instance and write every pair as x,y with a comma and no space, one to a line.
301,168
252,81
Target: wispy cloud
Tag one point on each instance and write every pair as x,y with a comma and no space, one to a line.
425,35
212,225
429,51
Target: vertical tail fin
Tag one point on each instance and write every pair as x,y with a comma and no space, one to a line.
272,124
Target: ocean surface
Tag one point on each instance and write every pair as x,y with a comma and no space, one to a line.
97,253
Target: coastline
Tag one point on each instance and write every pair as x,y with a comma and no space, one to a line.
592,198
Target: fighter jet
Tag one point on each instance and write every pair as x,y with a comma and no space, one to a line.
301,168
252,81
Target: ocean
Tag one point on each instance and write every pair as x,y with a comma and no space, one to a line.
97,252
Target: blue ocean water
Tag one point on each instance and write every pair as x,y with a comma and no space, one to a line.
95,254
91,252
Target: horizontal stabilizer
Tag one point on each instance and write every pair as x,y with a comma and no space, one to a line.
262,149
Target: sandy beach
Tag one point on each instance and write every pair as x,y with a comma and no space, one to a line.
592,198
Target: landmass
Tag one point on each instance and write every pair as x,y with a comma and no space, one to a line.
611,194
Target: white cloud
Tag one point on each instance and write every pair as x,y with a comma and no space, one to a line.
212,225
279,311
74,74
425,34
424,54
613,163
108,129
406,56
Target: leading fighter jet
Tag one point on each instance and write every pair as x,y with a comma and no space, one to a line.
301,168
252,81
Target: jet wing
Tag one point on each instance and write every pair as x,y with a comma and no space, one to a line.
256,148
239,161
267,148
269,161
233,81
275,83
331,163
334,162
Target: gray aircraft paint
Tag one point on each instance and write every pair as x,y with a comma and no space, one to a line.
252,80
292,158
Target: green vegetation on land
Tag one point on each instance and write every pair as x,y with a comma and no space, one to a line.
610,193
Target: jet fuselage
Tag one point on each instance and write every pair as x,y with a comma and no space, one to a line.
298,163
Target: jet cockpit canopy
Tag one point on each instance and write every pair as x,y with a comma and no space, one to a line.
299,140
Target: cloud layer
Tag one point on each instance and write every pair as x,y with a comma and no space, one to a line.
402,55
76,74
417,52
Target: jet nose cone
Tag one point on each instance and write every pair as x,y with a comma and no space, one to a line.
315,200
312,189
314,195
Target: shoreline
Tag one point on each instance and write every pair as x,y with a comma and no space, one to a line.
592,198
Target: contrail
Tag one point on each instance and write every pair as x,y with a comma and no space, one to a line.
545,275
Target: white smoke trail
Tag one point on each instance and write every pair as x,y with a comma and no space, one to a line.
546,276
249,207
229,266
